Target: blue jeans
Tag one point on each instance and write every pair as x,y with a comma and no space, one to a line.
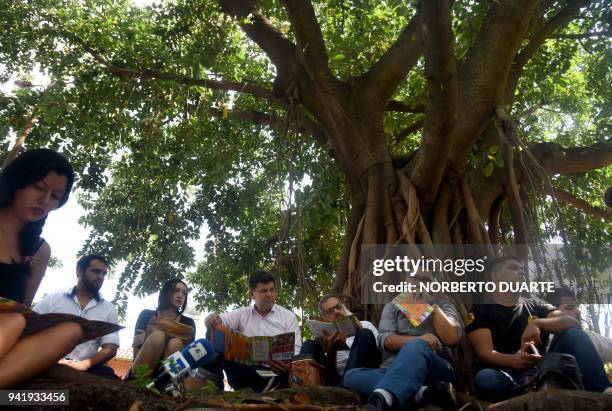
496,385
415,365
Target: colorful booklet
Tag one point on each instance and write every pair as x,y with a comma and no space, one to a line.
37,322
415,312
346,325
252,350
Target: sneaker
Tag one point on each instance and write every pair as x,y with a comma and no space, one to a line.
441,394
376,402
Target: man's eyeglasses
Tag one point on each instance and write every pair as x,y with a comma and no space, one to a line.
331,310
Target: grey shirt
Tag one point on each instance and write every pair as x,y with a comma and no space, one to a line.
393,321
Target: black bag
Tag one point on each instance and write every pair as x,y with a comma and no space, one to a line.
556,370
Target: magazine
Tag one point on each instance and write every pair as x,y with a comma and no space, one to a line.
35,322
415,312
253,350
346,325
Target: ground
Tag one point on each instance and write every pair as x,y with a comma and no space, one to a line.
92,393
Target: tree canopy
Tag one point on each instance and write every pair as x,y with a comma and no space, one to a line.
273,125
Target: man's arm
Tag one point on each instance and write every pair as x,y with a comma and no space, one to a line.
107,352
109,342
447,328
388,338
395,342
295,328
482,342
44,305
556,322
280,367
230,319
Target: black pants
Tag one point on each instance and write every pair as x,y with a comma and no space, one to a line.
213,370
363,353
245,376
103,370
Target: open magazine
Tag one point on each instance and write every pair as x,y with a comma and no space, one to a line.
415,312
252,350
346,325
37,322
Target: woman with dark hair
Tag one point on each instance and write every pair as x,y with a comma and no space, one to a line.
34,184
163,331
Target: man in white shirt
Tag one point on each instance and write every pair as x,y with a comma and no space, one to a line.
332,352
85,301
263,318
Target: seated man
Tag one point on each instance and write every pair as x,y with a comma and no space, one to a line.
333,355
264,318
504,333
85,301
416,364
565,300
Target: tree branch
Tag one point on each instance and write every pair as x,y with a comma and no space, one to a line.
307,31
556,159
441,115
245,87
400,106
261,118
484,73
27,128
560,19
605,33
581,204
279,49
389,71
417,125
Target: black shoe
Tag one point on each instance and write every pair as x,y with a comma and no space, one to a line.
376,402
439,393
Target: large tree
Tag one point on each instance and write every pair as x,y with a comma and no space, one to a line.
299,130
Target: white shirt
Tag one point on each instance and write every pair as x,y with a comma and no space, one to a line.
66,302
249,322
342,356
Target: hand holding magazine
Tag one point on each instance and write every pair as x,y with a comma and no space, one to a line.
37,322
253,350
414,309
346,325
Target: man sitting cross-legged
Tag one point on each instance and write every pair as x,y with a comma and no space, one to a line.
416,364
333,355
504,333
263,318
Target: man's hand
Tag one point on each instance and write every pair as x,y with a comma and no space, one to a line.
523,360
531,334
212,320
278,367
433,341
334,342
